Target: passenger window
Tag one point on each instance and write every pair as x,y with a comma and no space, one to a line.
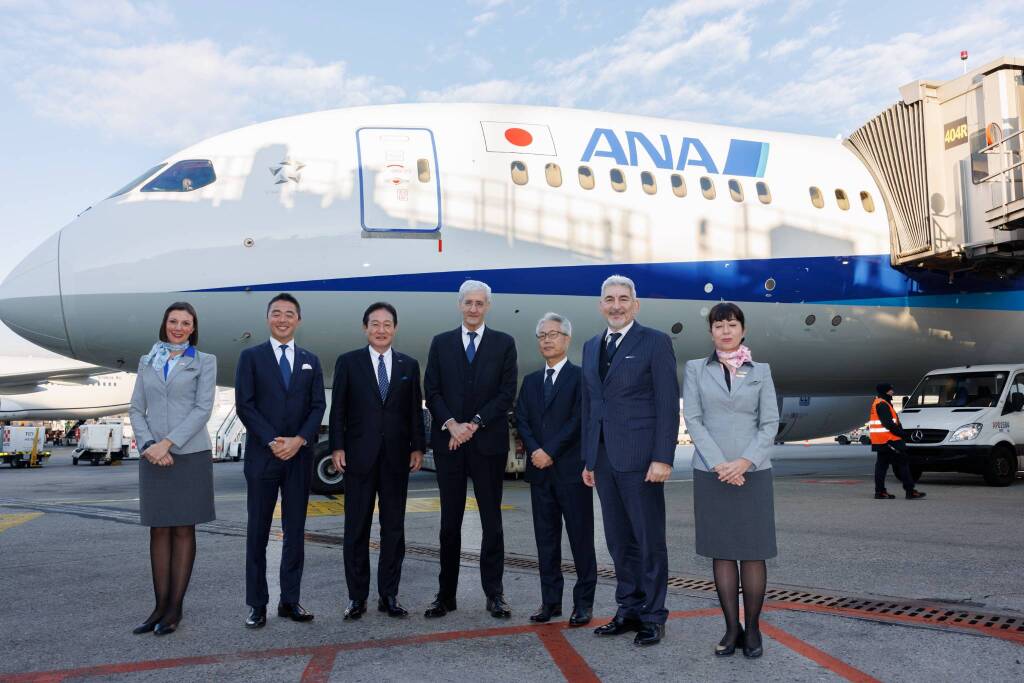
553,174
648,183
618,180
816,198
137,181
519,174
763,193
586,177
842,200
678,185
183,176
735,190
423,170
867,202
707,187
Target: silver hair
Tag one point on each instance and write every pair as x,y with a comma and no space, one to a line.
620,280
474,286
555,318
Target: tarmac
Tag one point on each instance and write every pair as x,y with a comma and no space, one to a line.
862,590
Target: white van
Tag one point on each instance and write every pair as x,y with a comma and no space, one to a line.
967,419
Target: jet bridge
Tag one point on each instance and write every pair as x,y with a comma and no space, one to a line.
948,160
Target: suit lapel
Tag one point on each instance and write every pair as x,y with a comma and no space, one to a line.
183,362
741,376
561,380
460,351
592,359
369,372
271,359
397,372
626,346
717,372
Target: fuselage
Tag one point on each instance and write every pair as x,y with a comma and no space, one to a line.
82,399
403,203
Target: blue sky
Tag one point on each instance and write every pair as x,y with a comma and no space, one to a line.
97,91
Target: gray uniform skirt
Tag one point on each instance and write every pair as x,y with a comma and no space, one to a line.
179,495
734,522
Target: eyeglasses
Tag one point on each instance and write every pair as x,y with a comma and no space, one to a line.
551,336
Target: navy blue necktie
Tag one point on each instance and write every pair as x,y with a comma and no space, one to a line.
613,345
471,349
549,385
382,377
286,367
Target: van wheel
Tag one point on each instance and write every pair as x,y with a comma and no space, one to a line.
74,460
915,472
326,479
865,440
1001,468
843,440
238,453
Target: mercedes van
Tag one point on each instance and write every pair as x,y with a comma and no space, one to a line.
967,419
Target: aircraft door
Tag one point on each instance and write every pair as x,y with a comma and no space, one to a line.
399,187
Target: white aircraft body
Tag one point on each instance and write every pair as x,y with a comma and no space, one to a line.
403,203
59,389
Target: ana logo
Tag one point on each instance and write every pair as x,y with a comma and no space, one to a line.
744,158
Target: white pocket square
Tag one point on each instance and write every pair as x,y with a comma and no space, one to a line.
630,356
307,366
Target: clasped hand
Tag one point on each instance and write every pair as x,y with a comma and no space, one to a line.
415,460
159,453
540,459
461,432
285,447
732,472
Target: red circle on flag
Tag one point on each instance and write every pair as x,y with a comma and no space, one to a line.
518,137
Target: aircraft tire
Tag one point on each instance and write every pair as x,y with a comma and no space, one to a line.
326,480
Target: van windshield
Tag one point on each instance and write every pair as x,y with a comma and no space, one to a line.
961,390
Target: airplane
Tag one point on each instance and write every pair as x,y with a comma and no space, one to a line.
405,202
59,389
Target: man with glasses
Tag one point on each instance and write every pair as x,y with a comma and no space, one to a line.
548,420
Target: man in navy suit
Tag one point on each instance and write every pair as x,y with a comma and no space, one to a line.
630,428
548,421
376,432
279,396
470,384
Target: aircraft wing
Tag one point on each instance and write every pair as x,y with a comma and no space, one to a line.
21,380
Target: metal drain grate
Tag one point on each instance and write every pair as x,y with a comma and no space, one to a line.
924,613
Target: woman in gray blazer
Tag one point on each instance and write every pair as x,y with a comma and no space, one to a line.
732,416
170,407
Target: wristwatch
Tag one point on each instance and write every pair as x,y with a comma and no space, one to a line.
477,420
146,445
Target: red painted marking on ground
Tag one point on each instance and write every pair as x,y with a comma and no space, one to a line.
836,666
1009,636
691,613
320,666
566,658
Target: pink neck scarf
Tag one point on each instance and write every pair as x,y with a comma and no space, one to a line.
734,359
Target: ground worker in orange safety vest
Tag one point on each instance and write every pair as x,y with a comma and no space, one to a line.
890,448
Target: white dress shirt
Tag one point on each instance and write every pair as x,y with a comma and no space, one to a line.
557,368
289,350
476,340
374,355
623,332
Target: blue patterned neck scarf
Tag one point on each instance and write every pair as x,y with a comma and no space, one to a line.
161,351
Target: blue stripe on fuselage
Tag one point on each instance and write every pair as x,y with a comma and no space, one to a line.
836,280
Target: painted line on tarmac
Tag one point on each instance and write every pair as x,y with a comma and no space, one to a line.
819,657
567,658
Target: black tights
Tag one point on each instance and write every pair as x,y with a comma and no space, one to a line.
172,552
727,582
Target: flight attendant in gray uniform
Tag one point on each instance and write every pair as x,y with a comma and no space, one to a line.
732,416
171,404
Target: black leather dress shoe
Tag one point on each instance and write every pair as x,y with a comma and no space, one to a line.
915,495
752,648
727,649
355,609
498,608
440,607
257,617
649,634
580,616
145,627
391,605
163,629
545,613
293,611
618,625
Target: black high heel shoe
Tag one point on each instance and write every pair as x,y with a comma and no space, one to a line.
146,626
727,650
755,651
163,629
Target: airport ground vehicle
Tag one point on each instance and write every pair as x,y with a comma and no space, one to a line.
23,446
968,419
102,442
858,435
515,465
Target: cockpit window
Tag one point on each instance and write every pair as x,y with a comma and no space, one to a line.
183,176
138,181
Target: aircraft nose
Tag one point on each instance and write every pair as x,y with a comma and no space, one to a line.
30,302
